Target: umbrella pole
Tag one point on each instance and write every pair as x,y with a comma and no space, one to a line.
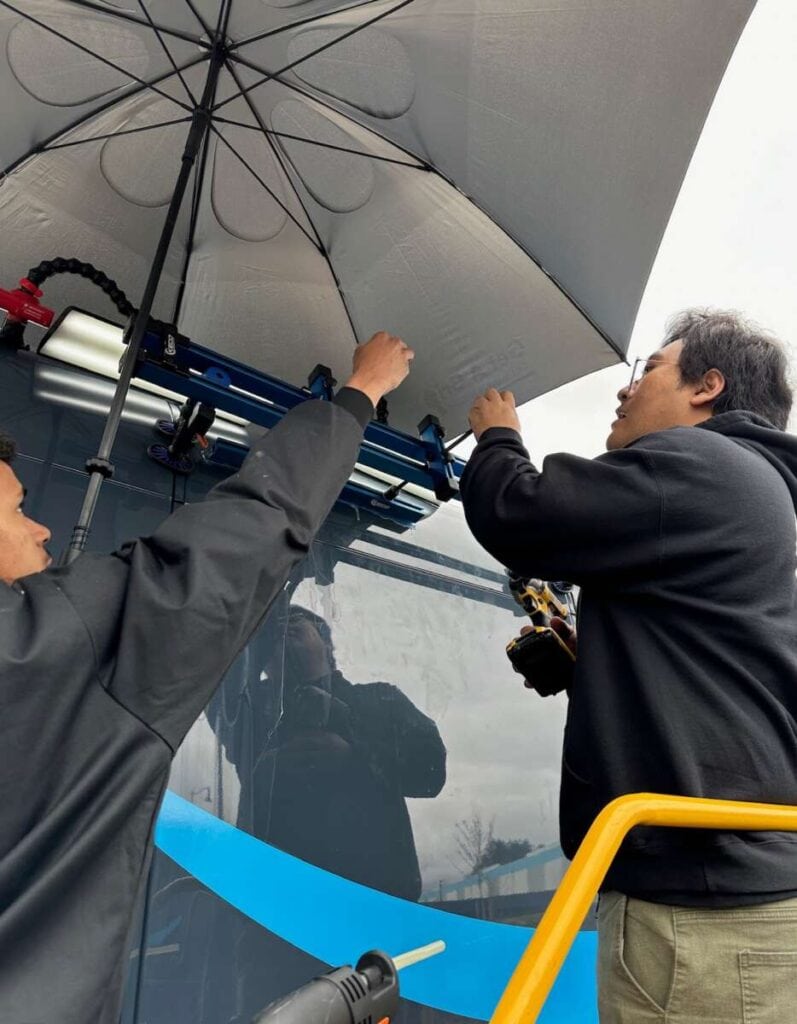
99,467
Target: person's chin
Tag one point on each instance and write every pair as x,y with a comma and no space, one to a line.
621,434
614,440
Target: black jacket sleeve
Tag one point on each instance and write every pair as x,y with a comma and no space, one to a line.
402,744
577,520
168,613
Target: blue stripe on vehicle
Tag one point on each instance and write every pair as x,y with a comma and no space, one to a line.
336,920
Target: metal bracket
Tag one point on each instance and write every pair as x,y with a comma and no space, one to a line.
101,466
225,384
438,461
216,375
321,383
170,347
163,344
195,419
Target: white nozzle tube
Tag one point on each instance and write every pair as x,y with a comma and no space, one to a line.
415,956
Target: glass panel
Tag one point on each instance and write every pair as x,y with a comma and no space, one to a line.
372,727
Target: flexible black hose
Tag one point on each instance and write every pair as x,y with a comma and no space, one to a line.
60,265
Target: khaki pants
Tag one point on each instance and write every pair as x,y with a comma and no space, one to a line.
675,965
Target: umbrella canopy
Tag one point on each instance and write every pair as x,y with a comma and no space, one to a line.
488,178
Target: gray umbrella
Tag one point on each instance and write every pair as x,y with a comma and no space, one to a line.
489,178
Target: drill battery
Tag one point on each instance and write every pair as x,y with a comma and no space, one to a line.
540,655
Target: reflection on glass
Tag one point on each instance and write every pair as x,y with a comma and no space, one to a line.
325,766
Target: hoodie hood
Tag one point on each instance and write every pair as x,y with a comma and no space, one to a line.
754,432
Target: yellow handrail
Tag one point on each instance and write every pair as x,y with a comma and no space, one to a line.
536,971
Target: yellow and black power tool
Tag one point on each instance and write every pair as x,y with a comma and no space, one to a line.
541,656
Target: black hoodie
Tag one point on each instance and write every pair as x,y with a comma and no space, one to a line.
683,545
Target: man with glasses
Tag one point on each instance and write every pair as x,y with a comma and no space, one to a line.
682,540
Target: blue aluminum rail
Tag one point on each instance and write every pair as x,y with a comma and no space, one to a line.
178,364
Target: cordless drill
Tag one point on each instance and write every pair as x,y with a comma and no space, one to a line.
541,656
368,992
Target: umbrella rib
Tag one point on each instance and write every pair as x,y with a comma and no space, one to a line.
293,87
323,145
199,177
262,127
95,112
205,27
458,440
225,10
166,50
114,135
298,24
260,181
199,182
135,20
269,75
436,171
278,156
91,53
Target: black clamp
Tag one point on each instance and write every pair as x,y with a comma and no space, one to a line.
162,345
439,462
170,347
101,466
321,383
195,420
186,435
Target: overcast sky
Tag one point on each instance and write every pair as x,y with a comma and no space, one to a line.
732,238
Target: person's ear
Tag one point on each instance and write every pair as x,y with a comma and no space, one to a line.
708,389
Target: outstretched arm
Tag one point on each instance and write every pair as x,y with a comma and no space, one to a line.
168,613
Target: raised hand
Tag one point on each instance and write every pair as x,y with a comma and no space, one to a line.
380,365
493,409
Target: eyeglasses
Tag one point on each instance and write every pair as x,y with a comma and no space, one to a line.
641,366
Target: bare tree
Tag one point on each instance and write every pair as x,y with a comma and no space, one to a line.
474,838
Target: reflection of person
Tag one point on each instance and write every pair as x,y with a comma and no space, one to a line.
682,538
325,768
335,762
105,664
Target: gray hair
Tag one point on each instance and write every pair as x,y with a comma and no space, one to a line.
751,360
